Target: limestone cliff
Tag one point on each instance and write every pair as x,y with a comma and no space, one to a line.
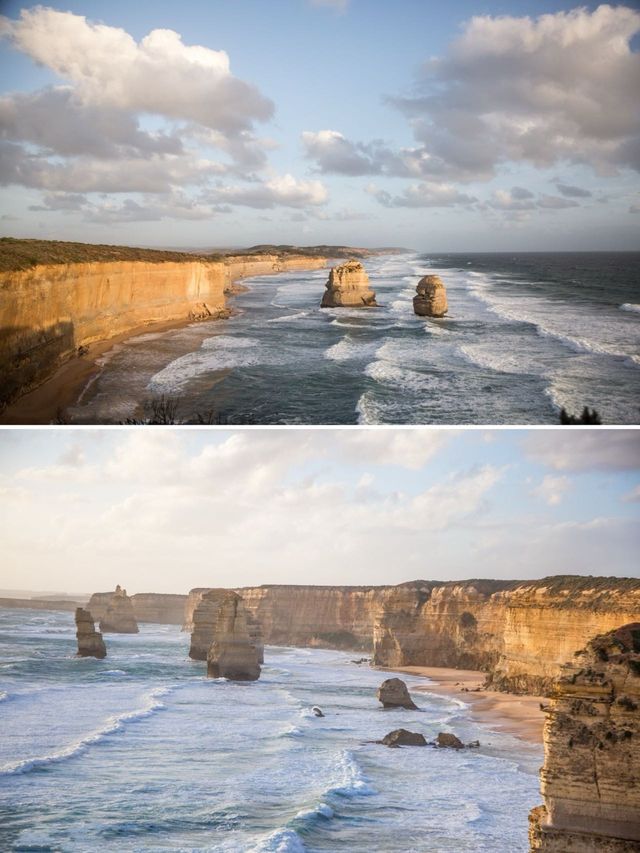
519,633
49,313
348,287
162,608
322,616
119,617
431,297
591,775
90,642
232,654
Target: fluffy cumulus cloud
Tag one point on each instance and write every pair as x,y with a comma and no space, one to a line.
557,89
90,134
283,190
552,489
561,87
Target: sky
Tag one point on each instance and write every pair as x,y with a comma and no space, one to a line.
159,510
459,126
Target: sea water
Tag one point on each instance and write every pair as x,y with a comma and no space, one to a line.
140,751
526,335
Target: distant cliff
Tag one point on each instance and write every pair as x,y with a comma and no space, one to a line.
50,311
519,633
165,609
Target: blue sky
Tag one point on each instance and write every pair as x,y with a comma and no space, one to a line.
167,510
441,127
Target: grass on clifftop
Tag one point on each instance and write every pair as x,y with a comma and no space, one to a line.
23,254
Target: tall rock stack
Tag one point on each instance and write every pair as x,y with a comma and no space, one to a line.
90,642
348,287
204,621
119,617
431,299
591,774
233,653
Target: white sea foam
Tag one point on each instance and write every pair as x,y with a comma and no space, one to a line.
221,352
113,724
280,841
351,782
290,318
630,306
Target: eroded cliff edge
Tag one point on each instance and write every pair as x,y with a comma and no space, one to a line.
50,312
519,633
591,775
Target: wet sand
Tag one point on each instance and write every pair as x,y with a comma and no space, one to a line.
46,403
520,716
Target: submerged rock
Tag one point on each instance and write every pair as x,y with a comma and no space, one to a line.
448,741
119,617
431,299
233,653
403,737
393,693
317,712
90,642
590,780
348,287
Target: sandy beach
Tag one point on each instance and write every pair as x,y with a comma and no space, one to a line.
506,712
46,403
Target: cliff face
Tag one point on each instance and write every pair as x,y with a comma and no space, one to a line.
333,617
47,313
591,775
165,609
520,634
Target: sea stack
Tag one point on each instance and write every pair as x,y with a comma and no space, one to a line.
431,299
393,693
591,774
90,642
205,620
348,287
119,617
233,653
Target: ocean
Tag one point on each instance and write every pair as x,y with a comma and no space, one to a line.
141,752
526,334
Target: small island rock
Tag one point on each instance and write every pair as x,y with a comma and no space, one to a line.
448,741
393,693
348,287
90,642
431,299
402,737
119,617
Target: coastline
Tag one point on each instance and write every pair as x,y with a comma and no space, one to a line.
43,404
512,713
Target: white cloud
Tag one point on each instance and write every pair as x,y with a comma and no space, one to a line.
284,190
569,449
159,75
561,87
552,489
423,195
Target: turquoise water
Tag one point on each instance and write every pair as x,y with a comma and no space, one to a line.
141,752
525,335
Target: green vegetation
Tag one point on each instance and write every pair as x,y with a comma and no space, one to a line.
17,254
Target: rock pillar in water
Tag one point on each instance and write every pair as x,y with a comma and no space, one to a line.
233,653
205,620
90,642
431,299
119,617
393,693
590,780
348,287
